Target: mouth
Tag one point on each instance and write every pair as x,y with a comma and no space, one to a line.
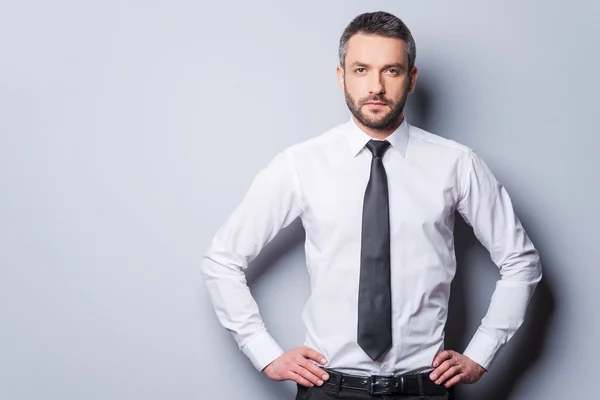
375,106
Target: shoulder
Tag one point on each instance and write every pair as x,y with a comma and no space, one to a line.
315,145
317,140
431,141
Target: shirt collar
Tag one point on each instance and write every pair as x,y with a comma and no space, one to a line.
357,138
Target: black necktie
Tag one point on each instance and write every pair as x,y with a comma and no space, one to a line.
374,294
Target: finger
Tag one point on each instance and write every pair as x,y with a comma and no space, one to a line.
441,370
314,369
303,362
299,379
456,379
313,355
306,374
453,371
444,355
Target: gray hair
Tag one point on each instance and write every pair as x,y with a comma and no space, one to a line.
379,23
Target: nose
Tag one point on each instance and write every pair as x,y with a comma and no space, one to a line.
376,86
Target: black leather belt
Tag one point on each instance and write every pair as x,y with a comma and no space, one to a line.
417,384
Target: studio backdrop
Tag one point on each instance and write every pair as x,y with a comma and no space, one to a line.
129,131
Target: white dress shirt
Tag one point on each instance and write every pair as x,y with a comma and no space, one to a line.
322,180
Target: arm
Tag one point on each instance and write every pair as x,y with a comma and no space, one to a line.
486,206
271,203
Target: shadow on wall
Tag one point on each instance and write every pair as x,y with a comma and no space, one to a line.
523,350
287,240
525,347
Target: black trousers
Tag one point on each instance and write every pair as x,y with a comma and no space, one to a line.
328,391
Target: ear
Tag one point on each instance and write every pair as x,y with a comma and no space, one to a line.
340,75
414,73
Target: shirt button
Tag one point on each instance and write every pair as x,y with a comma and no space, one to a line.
386,366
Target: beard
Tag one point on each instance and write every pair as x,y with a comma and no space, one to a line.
379,120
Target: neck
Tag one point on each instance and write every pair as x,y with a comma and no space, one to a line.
380,134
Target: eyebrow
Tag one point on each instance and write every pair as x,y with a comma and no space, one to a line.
396,65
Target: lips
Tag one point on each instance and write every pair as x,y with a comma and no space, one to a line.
375,104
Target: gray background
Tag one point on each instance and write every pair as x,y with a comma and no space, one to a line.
130,131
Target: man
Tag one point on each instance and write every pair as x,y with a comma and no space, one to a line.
377,198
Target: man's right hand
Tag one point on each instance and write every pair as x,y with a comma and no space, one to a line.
296,366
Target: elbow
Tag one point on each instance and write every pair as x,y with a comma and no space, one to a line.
535,266
215,264
523,267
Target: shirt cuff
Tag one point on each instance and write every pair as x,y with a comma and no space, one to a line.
262,349
483,348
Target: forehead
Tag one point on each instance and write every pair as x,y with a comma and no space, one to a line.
375,50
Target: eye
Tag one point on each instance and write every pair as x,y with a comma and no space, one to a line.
359,70
394,71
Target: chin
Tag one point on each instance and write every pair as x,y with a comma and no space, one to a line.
376,118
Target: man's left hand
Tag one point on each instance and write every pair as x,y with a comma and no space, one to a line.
452,368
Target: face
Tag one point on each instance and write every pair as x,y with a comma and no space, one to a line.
376,80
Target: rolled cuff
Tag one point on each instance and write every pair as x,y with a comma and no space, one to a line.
262,349
483,348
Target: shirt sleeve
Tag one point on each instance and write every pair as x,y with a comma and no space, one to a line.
271,203
485,205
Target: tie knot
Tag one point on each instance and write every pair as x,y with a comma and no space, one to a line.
378,147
